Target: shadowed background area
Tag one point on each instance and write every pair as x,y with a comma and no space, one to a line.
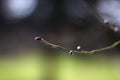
69,23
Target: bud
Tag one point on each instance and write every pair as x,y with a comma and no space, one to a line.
106,21
78,47
71,52
38,38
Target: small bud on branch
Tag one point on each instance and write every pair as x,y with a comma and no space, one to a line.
78,47
71,52
106,21
38,38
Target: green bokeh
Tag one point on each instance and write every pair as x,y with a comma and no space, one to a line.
63,67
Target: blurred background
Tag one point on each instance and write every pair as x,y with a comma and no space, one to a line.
69,23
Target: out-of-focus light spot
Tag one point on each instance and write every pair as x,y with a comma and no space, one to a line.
116,29
18,9
110,10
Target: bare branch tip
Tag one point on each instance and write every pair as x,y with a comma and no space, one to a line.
38,38
106,21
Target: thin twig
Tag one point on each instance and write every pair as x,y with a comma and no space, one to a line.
50,44
75,51
104,21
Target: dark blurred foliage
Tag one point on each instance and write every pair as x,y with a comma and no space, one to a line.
66,22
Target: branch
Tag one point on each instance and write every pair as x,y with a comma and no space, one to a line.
79,51
104,21
78,48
